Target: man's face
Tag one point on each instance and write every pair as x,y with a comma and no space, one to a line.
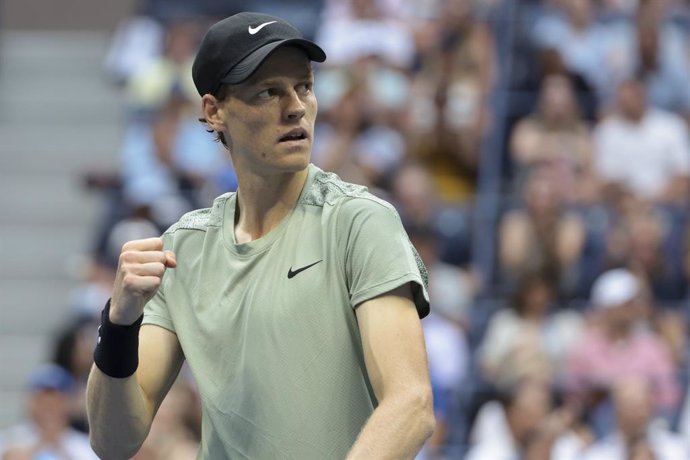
631,99
49,409
269,118
579,11
528,409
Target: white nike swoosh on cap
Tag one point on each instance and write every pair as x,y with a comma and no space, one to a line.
253,30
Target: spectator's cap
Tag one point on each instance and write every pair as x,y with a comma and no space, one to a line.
50,377
613,288
233,48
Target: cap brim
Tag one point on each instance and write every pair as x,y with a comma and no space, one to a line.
247,66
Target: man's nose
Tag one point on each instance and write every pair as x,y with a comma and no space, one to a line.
294,108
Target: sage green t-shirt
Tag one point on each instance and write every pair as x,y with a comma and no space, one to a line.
268,328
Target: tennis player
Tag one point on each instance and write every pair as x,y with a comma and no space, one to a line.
296,301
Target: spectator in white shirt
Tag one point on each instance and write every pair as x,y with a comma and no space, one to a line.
684,422
636,432
525,425
46,435
642,152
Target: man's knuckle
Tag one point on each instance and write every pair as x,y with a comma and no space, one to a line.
127,256
130,281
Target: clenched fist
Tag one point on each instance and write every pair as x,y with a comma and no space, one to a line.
140,271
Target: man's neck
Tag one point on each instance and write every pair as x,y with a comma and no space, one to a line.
263,202
618,334
634,118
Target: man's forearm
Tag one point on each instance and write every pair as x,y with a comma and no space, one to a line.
397,429
119,417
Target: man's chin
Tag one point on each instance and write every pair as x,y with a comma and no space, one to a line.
294,162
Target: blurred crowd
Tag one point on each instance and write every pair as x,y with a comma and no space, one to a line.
560,310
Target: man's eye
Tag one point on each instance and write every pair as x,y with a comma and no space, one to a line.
304,87
266,94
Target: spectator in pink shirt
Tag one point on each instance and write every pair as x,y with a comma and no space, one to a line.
619,343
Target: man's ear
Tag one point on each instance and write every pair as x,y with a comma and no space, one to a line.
210,107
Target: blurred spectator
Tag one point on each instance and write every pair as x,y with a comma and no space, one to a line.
583,44
150,85
654,48
445,332
335,137
630,38
363,89
555,134
619,342
524,423
672,326
175,432
145,36
369,32
542,234
167,160
137,41
625,8
448,114
664,59
95,283
170,10
358,135
641,152
637,436
642,242
433,141
403,11
47,434
416,198
530,338
415,195
73,351
684,419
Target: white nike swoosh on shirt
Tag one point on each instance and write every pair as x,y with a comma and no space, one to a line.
253,30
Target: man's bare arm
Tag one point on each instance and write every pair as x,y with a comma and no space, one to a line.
120,410
395,357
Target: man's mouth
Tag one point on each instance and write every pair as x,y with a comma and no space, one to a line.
297,134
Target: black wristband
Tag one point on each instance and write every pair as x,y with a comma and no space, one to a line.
117,348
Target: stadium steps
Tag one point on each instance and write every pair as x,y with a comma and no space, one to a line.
59,117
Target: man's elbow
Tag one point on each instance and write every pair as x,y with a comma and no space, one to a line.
422,405
109,451
428,418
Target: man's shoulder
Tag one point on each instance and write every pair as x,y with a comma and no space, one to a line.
202,219
663,119
612,124
329,189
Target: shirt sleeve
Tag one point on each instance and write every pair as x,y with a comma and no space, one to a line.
576,369
498,339
679,152
606,161
379,256
156,310
660,367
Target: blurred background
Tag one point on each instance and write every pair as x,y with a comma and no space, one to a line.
537,150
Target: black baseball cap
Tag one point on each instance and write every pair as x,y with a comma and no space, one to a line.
233,48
